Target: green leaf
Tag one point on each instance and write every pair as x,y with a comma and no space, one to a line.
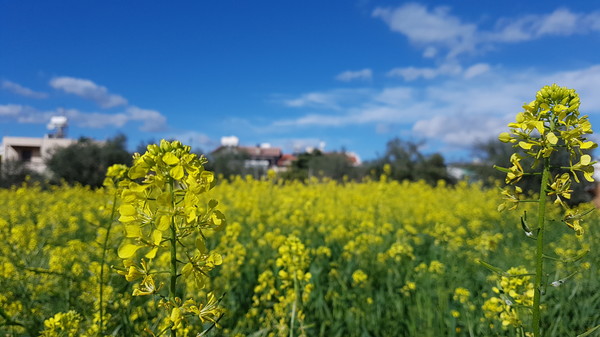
127,250
492,268
501,169
589,332
201,245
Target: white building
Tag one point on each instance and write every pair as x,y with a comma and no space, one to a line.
33,152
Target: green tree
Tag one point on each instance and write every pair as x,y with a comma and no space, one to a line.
334,165
408,163
14,172
228,162
86,161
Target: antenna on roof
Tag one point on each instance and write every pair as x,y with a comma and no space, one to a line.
59,125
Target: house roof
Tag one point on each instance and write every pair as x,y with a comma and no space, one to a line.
261,151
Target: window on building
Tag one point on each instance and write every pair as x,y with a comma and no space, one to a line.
26,155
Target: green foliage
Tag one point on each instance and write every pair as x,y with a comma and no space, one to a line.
334,165
15,173
86,161
229,162
406,162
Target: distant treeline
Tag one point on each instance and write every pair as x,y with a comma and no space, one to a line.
85,162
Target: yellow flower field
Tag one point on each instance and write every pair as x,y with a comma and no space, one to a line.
322,258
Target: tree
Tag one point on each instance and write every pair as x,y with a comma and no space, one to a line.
408,163
335,165
86,161
14,172
228,162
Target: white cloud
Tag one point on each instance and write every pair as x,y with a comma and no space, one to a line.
414,73
476,70
347,76
460,130
332,99
429,28
454,111
21,90
313,99
10,110
437,29
152,120
197,140
88,90
95,120
449,69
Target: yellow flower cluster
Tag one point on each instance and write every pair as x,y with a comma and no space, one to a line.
514,297
551,122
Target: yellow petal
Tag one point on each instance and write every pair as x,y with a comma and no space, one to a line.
152,253
127,250
133,231
127,210
588,145
586,159
525,145
163,223
156,237
504,137
176,172
552,139
170,159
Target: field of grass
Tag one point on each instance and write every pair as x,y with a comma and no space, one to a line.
376,258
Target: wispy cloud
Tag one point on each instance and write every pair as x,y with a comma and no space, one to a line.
454,111
21,90
88,90
151,121
349,75
430,29
332,99
436,29
10,110
449,69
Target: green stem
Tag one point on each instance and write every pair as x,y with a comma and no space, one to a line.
539,259
104,250
294,305
173,241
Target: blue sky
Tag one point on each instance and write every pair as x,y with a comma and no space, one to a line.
351,74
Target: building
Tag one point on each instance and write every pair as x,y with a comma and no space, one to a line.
257,159
33,152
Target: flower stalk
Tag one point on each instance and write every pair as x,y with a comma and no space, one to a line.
548,126
539,256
